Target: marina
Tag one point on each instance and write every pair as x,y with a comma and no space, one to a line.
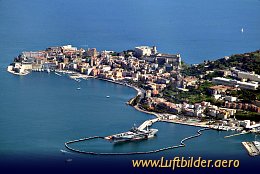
182,144
143,132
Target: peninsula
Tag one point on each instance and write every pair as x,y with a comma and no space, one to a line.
221,94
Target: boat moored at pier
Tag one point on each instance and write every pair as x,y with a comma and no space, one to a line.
133,134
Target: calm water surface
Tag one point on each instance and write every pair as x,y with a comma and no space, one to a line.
41,111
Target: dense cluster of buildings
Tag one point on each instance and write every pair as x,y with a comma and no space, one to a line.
142,63
220,91
194,110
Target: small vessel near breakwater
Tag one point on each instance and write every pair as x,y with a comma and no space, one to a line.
63,151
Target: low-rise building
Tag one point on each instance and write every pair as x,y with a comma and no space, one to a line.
230,98
247,75
144,51
234,83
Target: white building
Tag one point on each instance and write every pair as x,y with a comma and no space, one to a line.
106,68
230,98
234,83
88,71
69,48
246,85
250,76
145,51
245,123
26,66
217,96
33,54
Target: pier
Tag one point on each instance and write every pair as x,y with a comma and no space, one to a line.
242,133
251,148
147,123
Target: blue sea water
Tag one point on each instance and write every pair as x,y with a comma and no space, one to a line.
198,29
41,111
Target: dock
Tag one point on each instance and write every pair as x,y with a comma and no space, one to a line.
147,123
10,70
242,133
251,148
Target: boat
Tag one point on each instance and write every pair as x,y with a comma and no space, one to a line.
78,80
78,88
242,30
257,143
133,134
57,74
63,151
108,96
68,160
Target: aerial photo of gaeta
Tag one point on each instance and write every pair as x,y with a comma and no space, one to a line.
129,86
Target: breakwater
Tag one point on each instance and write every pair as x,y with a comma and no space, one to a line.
182,144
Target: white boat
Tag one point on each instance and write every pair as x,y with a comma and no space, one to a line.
78,80
78,88
69,160
63,151
242,30
57,74
257,143
108,96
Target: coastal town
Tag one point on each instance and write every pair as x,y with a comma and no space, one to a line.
205,95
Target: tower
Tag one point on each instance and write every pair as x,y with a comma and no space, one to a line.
179,61
154,50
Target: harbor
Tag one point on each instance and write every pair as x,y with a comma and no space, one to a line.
142,132
153,86
124,135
